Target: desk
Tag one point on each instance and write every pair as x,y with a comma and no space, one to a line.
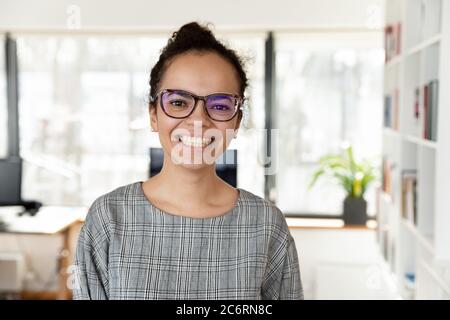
327,224
50,220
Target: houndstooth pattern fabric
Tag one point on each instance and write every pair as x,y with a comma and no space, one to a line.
130,249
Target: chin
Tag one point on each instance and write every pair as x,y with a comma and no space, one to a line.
194,166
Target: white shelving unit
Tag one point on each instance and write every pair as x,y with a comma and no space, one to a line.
418,250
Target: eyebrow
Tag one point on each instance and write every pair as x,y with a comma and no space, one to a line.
213,93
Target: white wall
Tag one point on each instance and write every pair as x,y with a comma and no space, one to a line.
342,264
150,14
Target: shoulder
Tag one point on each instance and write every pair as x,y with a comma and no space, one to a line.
270,220
109,208
268,212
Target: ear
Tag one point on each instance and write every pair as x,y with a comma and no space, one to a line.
238,122
153,117
240,115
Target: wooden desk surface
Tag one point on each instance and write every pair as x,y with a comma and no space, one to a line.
326,224
48,220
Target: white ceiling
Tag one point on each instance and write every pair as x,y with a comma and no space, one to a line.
18,15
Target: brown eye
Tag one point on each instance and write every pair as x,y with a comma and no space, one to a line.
178,103
220,107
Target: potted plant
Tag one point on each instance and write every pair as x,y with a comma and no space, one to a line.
354,177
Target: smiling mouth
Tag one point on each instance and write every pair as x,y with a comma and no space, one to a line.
195,142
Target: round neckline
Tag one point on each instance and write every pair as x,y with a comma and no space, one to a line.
221,216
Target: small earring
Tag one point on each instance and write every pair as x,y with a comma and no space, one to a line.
151,129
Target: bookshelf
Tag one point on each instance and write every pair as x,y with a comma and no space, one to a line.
413,203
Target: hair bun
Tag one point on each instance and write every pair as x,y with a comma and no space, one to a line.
190,37
192,34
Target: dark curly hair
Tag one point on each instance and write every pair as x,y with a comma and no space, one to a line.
194,37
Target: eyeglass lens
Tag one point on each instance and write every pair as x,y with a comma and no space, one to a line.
179,104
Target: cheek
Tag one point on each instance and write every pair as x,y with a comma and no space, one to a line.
165,126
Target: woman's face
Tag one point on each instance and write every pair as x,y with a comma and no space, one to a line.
196,141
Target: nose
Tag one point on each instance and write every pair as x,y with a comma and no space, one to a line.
199,113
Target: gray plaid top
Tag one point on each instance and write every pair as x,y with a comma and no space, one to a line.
130,249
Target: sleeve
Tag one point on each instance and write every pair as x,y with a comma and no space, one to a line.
91,258
283,281
291,285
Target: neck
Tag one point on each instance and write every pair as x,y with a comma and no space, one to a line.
191,186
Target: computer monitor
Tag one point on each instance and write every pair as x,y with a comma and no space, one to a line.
156,161
10,181
11,186
226,165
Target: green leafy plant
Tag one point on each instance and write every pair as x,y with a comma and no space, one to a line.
354,176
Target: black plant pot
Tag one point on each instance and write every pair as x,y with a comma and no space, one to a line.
355,211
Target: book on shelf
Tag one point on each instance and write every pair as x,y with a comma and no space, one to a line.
431,91
417,104
384,244
392,40
387,168
391,110
425,109
410,284
393,254
409,195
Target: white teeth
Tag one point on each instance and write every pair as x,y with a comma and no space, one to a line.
195,141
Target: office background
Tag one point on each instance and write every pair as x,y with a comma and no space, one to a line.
317,71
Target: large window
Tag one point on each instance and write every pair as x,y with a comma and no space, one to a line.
81,102
84,123
249,143
3,106
329,91
84,117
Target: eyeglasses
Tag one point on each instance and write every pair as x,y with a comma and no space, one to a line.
180,104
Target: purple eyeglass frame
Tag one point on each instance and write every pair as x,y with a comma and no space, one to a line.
238,105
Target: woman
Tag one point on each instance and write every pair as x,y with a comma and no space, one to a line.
185,233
